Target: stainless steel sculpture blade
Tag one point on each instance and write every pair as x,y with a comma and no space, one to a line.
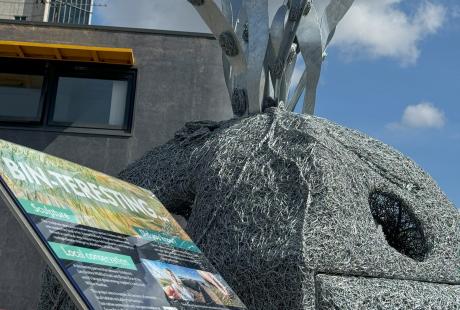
260,58
287,77
310,41
277,28
333,13
314,42
257,24
227,11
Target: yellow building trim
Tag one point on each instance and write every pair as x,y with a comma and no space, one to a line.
67,52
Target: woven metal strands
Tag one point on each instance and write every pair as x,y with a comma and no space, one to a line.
277,199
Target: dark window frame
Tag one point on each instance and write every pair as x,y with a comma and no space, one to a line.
51,71
84,71
25,69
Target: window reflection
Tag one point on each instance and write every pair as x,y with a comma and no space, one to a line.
91,102
20,97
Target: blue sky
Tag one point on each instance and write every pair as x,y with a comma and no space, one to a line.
393,72
401,103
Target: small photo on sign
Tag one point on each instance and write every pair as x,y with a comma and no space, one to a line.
186,284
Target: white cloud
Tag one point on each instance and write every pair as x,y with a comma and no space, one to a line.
422,115
380,28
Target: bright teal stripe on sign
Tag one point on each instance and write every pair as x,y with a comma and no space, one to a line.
166,239
75,253
37,208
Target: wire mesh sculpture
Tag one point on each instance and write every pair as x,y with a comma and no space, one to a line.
297,212
259,60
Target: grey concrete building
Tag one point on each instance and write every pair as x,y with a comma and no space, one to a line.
100,115
54,11
24,10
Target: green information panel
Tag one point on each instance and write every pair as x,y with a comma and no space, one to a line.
113,244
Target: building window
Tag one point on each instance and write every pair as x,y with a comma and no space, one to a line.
84,98
70,12
20,18
20,97
86,102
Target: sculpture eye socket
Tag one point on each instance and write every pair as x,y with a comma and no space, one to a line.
402,229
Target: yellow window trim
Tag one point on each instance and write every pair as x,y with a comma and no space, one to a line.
67,52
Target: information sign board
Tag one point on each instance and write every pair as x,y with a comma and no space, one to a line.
113,245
